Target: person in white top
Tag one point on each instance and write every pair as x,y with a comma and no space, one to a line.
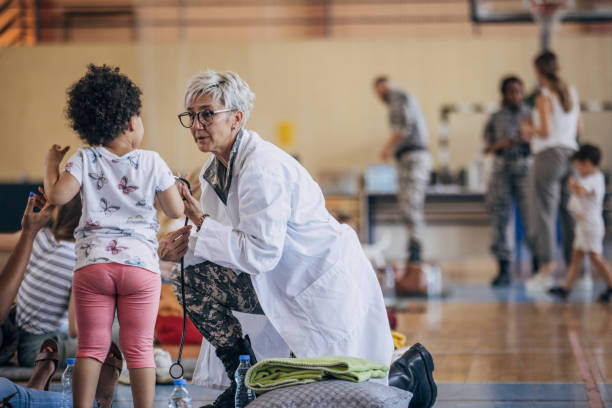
588,193
264,243
117,267
553,134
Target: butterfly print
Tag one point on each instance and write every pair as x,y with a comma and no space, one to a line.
68,166
107,208
143,204
131,160
86,247
126,232
100,179
137,219
124,186
93,156
134,262
113,248
91,224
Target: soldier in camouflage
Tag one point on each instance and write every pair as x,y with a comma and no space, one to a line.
408,144
509,179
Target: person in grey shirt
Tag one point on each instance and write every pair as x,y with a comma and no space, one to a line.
509,179
408,143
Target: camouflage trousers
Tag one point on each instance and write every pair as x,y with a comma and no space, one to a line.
413,169
211,293
509,180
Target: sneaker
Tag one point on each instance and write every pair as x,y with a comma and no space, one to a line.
559,292
539,283
163,361
124,377
606,296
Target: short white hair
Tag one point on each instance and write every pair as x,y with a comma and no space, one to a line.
225,87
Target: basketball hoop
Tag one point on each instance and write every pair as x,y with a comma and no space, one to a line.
547,14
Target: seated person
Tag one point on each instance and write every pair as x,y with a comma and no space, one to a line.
42,278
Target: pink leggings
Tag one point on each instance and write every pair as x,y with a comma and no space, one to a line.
100,289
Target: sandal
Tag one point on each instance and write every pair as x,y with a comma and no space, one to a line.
44,366
109,374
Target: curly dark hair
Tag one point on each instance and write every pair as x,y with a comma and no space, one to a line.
588,152
101,104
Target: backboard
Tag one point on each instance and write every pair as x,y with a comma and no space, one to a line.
516,11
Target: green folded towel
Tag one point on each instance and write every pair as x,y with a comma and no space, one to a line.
282,372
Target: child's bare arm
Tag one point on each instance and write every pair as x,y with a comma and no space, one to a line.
171,202
59,189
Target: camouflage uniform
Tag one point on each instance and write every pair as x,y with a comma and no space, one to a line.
413,165
510,177
211,293
413,177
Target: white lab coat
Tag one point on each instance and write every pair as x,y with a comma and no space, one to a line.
313,281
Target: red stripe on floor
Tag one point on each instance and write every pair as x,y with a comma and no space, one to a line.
590,385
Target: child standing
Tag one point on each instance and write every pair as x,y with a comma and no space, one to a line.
586,202
117,267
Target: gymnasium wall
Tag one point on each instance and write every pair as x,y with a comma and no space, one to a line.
322,86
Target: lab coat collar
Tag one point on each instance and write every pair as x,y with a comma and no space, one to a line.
219,177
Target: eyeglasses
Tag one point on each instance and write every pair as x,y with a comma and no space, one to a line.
205,117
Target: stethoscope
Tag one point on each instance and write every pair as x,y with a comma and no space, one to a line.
176,369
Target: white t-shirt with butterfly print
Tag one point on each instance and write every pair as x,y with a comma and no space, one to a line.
119,222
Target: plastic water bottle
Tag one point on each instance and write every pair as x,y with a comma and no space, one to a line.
389,281
434,280
67,384
244,395
180,397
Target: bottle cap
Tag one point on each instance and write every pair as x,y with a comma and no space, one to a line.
180,381
245,357
70,361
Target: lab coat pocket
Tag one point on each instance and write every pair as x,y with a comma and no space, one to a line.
333,304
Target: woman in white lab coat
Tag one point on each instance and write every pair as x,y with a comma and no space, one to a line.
264,243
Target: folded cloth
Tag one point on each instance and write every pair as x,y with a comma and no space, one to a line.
283,372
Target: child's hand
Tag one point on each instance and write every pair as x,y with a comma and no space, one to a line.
55,155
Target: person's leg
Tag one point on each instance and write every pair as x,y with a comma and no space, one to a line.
568,223
521,193
23,397
602,267
94,294
29,346
138,292
549,169
574,269
499,200
531,218
413,177
211,293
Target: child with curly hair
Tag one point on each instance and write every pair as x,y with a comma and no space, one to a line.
117,267
586,202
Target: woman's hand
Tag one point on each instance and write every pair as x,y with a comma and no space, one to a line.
173,245
55,155
192,206
32,221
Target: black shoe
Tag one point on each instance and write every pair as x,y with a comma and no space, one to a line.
559,292
606,296
227,399
414,252
503,276
535,265
413,372
230,357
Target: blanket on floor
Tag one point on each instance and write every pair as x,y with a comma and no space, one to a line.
283,372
